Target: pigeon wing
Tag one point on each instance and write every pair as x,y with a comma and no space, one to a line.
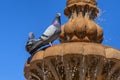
50,31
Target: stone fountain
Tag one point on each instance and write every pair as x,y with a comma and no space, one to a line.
80,56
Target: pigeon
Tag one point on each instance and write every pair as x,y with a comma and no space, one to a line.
30,41
50,34
30,38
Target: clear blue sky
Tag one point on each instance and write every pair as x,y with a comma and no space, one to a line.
18,17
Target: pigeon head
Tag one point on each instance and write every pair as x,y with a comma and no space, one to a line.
31,35
57,21
58,15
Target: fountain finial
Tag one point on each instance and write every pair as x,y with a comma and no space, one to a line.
81,26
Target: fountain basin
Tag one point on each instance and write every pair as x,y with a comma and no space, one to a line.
74,61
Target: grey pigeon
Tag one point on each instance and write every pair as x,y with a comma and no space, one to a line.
50,34
30,41
31,37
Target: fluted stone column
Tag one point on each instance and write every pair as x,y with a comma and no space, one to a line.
80,56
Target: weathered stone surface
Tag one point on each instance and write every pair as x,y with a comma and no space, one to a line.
81,26
74,61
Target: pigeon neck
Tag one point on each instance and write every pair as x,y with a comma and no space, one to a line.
56,21
30,40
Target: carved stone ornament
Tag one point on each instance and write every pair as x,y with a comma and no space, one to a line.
81,26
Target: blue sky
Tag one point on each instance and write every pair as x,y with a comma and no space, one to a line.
18,17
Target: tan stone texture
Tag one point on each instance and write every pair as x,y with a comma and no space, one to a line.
81,26
74,61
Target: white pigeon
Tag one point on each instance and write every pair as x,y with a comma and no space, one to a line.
50,34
